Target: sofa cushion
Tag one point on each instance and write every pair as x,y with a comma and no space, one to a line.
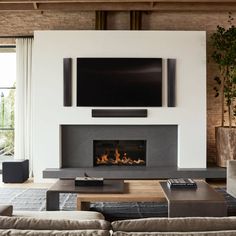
6,210
208,233
56,215
17,232
46,224
176,224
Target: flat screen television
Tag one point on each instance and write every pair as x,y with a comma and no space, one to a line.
119,82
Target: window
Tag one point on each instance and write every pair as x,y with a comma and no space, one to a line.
7,101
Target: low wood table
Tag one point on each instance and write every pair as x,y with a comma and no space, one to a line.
202,201
68,186
134,191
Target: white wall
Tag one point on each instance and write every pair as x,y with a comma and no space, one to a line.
50,47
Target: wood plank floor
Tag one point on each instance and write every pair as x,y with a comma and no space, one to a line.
28,184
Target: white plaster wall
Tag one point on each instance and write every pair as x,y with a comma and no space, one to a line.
50,47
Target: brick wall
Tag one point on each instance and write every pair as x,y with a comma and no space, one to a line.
196,21
24,23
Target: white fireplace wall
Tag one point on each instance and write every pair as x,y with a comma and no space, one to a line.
50,47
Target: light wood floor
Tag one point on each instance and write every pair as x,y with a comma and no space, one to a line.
30,184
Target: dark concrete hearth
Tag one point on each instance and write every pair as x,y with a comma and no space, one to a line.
161,153
136,173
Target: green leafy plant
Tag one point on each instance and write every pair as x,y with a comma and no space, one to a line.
7,121
224,55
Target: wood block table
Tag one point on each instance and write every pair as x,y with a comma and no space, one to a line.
202,201
68,186
134,191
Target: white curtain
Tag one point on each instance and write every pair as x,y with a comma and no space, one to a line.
23,112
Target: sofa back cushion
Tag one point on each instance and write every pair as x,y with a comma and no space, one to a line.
207,233
18,232
176,224
46,224
60,215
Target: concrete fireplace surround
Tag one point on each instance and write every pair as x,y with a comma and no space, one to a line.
77,143
188,117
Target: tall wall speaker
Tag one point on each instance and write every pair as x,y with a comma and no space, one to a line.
171,80
67,80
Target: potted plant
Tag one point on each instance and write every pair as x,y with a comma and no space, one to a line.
224,55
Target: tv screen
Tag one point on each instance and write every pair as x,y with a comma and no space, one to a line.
119,82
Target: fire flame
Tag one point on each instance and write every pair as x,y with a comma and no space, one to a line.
118,160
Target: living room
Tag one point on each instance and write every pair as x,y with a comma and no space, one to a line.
83,109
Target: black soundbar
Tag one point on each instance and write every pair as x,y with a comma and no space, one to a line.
119,112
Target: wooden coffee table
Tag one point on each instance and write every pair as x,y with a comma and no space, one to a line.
202,201
68,186
134,191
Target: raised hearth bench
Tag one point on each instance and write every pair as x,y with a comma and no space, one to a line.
112,172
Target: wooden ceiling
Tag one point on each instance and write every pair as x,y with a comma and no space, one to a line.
118,5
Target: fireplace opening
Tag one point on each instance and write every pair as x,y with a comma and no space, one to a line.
119,152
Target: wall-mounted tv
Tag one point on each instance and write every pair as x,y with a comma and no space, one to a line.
119,82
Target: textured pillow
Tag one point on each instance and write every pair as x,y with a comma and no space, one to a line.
17,232
176,224
6,210
46,224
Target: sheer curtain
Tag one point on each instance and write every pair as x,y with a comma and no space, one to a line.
23,132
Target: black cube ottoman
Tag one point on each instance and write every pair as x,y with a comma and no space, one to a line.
16,171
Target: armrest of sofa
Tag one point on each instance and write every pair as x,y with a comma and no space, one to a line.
6,210
231,177
231,168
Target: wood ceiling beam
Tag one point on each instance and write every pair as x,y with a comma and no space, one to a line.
115,5
16,7
35,5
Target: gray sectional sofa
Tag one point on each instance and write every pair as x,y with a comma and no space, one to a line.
69,223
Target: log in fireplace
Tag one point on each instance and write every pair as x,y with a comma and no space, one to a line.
119,152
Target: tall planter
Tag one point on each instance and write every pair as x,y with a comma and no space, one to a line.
225,144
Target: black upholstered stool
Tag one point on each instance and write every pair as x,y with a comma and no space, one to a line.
16,171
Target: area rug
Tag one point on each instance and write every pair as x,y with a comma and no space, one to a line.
31,199
35,200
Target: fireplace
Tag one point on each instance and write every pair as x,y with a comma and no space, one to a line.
119,152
